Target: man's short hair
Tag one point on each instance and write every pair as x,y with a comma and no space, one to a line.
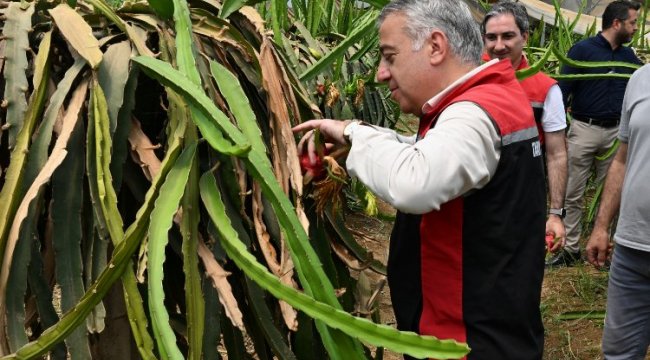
516,9
452,17
618,9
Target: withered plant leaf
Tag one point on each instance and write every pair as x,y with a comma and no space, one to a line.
78,33
285,153
283,269
142,153
142,150
363,294
203,23
254,17
349,259
221,284
263,237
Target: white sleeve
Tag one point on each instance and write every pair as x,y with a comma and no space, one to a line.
459,154
407,139
554,118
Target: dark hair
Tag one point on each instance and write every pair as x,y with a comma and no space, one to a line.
517,10
618,9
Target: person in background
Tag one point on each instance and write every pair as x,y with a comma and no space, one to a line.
595,106
627,322
466,256
505,33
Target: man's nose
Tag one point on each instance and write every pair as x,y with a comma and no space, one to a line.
382,73
499,44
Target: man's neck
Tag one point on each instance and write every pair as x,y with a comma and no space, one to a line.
610,36
455,76
517,63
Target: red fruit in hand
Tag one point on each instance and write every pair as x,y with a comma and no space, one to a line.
316,170
550,240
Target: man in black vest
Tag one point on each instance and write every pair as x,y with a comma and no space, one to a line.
467,251
505,33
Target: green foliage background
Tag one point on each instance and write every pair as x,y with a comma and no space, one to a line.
150,185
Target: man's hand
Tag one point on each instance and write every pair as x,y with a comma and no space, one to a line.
330,130
555,226
599,247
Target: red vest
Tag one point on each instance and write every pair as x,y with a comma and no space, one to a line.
536,88
489,84
477,264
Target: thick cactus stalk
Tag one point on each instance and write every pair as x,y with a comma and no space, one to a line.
17,25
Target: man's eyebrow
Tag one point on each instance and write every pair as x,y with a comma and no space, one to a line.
503,33
383,48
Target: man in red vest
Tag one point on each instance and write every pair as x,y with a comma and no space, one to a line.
466,256
505,33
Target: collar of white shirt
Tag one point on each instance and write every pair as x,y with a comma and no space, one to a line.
441,95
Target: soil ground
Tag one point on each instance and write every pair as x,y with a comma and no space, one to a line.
579,288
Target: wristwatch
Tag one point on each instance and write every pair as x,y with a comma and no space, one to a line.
561,212
347,130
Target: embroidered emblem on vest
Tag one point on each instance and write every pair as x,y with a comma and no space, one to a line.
537,149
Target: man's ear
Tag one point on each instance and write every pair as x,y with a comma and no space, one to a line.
525,36
439,44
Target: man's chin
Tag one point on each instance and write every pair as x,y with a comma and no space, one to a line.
406,109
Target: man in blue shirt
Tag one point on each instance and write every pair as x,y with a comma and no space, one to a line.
596,109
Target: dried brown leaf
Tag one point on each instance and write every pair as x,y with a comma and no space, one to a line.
349,259
221,284
144,19
242,180
219,34
263,237
142,153
254,17
283,144
363,294
142,150
283,269
289,314
329,191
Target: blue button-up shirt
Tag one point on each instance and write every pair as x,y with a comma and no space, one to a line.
600,98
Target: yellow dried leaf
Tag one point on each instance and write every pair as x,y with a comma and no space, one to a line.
78,33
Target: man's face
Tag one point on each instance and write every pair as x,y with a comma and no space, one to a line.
503,39
627,28
404,70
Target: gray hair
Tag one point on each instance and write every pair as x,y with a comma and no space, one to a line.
517,10
452,17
